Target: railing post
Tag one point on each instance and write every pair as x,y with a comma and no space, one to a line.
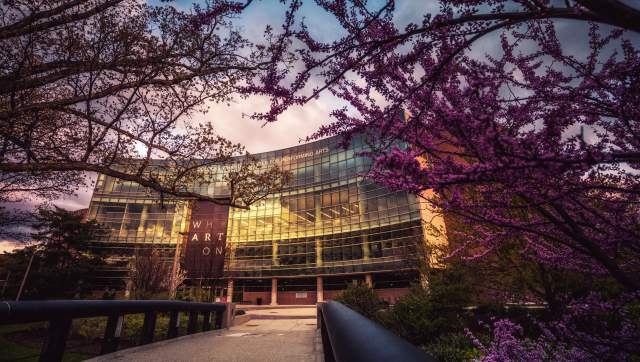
174,323
53,347
112,334
226,316
206,320
148,328
327,349
349,336
193,322
218,316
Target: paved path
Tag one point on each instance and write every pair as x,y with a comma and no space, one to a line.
282,313
278,339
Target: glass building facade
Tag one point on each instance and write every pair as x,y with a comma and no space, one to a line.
329,226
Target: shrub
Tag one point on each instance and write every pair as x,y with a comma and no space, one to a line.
89,329
453,347
425,315
361,298
421,319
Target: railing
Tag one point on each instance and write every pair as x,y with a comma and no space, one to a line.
347,336
60,313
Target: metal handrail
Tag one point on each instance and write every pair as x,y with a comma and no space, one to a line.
60,313
347,336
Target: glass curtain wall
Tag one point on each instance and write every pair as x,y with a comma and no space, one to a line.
329,220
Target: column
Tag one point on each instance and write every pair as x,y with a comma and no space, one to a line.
365,247
274,253
362,208
318,252
230,291
274,291
317,201
125,222
318,226
143,220
319,290
368,280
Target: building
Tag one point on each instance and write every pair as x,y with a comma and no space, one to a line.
328,228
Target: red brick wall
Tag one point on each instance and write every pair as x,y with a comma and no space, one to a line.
253,297
285,298
289,298
331,294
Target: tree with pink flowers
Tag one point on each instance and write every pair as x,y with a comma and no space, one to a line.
530,138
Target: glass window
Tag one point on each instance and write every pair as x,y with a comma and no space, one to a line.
344,196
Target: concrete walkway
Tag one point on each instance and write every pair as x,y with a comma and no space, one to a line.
286,312
273,335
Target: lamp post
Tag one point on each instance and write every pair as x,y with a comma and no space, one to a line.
26,274
6,282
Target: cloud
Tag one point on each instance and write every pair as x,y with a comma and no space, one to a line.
82,197
10,245
295,124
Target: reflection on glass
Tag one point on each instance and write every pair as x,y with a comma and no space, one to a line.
330,219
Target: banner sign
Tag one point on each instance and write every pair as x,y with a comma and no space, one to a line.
205,250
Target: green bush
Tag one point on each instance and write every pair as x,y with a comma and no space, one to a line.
453,347
92,329
424,315
89,329
422,319
361,298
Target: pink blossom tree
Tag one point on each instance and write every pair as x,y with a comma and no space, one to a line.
528,142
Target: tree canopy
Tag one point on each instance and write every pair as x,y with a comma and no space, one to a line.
523,116
63,264
528,140
109,86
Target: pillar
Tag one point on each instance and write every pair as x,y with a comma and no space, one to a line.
274,253
144,215
318,252
317,200
365,247
319,290
230,291
368,280
125,222
362,208
274,291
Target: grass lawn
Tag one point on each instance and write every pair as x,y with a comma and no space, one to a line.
22,342
26,351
